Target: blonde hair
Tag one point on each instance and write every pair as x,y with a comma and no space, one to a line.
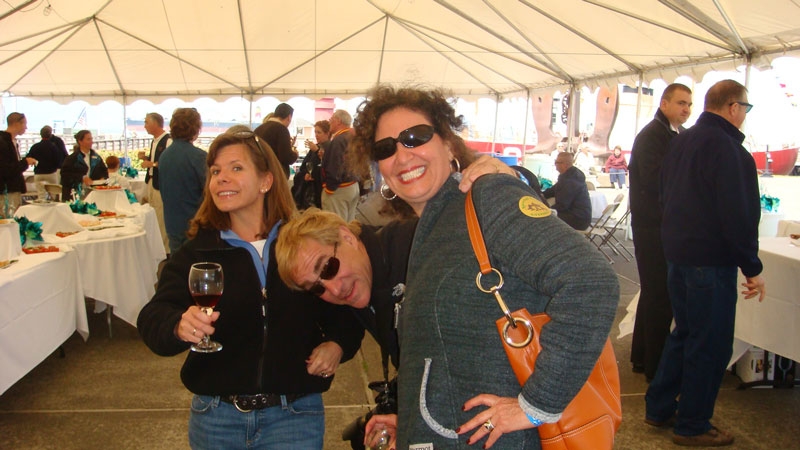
315,224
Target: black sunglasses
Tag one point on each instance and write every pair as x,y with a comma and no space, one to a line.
329,270
410,138
746,105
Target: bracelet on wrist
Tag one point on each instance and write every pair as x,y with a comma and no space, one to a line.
536,422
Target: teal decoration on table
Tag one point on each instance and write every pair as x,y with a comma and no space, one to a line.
29,230
546,183
81,207
131,172
770,204
131,196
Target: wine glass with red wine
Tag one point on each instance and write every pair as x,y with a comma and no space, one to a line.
205,284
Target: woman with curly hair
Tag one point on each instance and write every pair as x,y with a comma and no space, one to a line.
182,174
456,386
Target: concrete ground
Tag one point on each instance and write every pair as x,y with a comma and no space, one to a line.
114,393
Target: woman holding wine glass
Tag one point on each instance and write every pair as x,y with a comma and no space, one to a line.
280,347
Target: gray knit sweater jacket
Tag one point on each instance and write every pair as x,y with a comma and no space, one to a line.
447,321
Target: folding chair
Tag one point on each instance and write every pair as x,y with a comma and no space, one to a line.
598,230
614,223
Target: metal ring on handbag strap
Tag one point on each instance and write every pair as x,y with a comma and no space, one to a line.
510,341
496,291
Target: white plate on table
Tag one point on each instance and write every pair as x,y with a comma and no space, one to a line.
44,203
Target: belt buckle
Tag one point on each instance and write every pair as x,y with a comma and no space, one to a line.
236,405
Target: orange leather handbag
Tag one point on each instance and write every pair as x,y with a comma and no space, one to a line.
592,418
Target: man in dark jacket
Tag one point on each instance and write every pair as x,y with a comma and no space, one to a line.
11,166
709,190
572,196
275,132
653,314
50,159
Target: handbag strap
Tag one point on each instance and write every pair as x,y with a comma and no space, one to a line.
482,255
476,235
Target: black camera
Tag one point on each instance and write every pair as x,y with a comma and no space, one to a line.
385,403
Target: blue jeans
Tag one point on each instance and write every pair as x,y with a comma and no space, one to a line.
617,176
214,424
697,351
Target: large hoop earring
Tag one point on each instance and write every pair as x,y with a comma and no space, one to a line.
457,167
384,189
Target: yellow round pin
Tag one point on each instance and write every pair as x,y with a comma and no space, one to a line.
533,208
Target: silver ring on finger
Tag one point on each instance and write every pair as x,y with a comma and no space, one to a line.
194,330
488,425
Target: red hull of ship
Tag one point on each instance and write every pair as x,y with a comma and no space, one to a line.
782,160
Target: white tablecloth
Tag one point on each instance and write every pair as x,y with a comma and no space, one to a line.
10,245
110,200
768,227
119,263
774,324
139,189
41,305
54,217
599,203
120,271
785,227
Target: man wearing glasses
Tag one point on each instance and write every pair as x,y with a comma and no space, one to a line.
709,190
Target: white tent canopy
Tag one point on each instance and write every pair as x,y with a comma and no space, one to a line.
96,50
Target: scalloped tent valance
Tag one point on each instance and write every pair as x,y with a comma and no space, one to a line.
95,50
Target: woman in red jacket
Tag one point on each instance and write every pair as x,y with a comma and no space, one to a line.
617,167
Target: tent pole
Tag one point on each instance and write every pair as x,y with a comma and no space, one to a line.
638,104
525,130
125,123
574,102
250,120
496,113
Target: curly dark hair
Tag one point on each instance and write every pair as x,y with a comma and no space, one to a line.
433,103
185,124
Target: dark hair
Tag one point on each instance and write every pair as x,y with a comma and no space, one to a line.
667,95
156,117
79,137
278,202
185,124
46,132
283,111
722,94
433,104
14,117
112,162
81,134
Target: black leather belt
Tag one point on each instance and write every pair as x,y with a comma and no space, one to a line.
247,403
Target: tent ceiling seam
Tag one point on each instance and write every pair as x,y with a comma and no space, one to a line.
44,58
244,47
551,63
108,55
702,20
316,55
496,35
476,77
383,48
579,34
176,57
473,44
723,46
